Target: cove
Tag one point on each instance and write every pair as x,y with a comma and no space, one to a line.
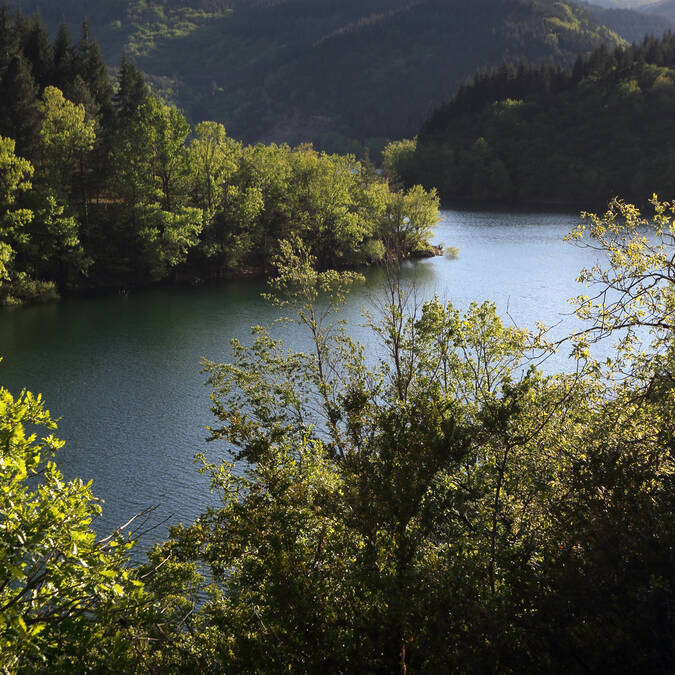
123,372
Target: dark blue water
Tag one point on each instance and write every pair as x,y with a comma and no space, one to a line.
124,373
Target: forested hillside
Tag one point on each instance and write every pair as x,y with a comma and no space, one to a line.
632,25
532,134
326,70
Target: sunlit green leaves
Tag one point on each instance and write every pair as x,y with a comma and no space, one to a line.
66,135
15,176
59,587
633,295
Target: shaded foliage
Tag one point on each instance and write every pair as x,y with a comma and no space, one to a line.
325,71
542,134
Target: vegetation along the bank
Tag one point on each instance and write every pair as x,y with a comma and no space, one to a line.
529,134
106,186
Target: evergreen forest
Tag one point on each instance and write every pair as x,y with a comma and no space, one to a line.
342,75
581,135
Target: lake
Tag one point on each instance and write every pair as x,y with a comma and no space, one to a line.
123,372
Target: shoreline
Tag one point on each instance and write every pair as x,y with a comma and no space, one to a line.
185,280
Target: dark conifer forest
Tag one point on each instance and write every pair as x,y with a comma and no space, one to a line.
579,135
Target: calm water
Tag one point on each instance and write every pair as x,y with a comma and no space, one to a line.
124,374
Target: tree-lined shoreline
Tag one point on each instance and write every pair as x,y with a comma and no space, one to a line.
107,187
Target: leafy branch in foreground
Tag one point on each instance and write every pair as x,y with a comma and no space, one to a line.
441,507
446,507
633,297
62,593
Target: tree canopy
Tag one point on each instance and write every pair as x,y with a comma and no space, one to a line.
541,134
124,192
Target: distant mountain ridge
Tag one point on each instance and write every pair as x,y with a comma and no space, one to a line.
624,4
632,25
659,8
327,70
665,8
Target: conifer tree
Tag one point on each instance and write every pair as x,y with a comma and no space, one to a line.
20,26
18,113
92,68
131,93
38,51
8,42
63,57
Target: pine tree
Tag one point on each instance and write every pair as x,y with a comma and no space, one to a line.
20,26
77,91
19,118
9,45
92,68
63,57
38,51
132,91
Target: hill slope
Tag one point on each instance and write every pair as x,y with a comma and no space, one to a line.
665,8
604,128
302,69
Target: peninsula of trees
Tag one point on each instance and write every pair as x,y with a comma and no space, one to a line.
106,186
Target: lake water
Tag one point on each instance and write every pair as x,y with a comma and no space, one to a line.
123,372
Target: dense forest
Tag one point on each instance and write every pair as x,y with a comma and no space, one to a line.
105,186
450,508
527,133
631,25
285,70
